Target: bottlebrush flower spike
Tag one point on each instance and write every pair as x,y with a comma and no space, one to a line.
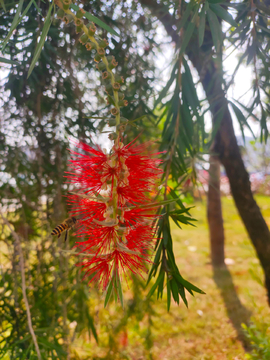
111,192
113,189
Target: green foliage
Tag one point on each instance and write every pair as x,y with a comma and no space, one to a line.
60,99
164,261
259,339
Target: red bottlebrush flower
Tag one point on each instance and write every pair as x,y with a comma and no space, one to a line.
111,192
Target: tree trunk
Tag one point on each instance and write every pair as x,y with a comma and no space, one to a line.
214,213
225,144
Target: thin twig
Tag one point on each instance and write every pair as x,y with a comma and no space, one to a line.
29,319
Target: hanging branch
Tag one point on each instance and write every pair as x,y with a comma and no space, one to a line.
29,319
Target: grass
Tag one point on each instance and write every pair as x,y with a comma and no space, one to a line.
209,328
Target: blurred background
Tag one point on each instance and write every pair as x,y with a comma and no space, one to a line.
199,73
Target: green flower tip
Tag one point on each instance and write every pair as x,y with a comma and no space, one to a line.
66,4
106,75
101,52
114,111
116,86
123,103
83,39
60,14
103,43
68,18
112,136
80,13
91,29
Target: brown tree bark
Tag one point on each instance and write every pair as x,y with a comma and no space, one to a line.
214,213
225,144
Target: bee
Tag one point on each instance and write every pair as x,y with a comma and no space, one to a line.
66,225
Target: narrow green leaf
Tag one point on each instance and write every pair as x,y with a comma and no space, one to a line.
151,205
215,28
166,88
241,119
91,326
155,263
24,356
185,15
167,239
178,201
248,110
181,290
176,222
38,9
217,2
201,28
223,14
96,21
169,296
43,36
190,29
264,129
187,35
119,289
182,211
7,61
175,292
187,284
108,293
3,5
152,290
161,284
13,25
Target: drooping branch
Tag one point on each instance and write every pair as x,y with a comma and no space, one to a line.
29,319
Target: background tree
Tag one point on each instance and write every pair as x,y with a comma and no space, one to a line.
248,30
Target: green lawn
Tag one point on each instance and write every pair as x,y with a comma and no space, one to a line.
209,328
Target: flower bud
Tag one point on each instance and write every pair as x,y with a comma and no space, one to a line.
123,103
106,75
91,29
68,18
112,136
66,4
121,95
121,127
80,13
78,22
111,122
78,29
113,64
110,100
101,52
97,58
103,43
101,66
83,39
108,88
90,46
123,120
119,79
114,111
109,58
60,14
116,86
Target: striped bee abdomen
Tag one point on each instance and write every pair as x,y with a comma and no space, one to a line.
59,229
